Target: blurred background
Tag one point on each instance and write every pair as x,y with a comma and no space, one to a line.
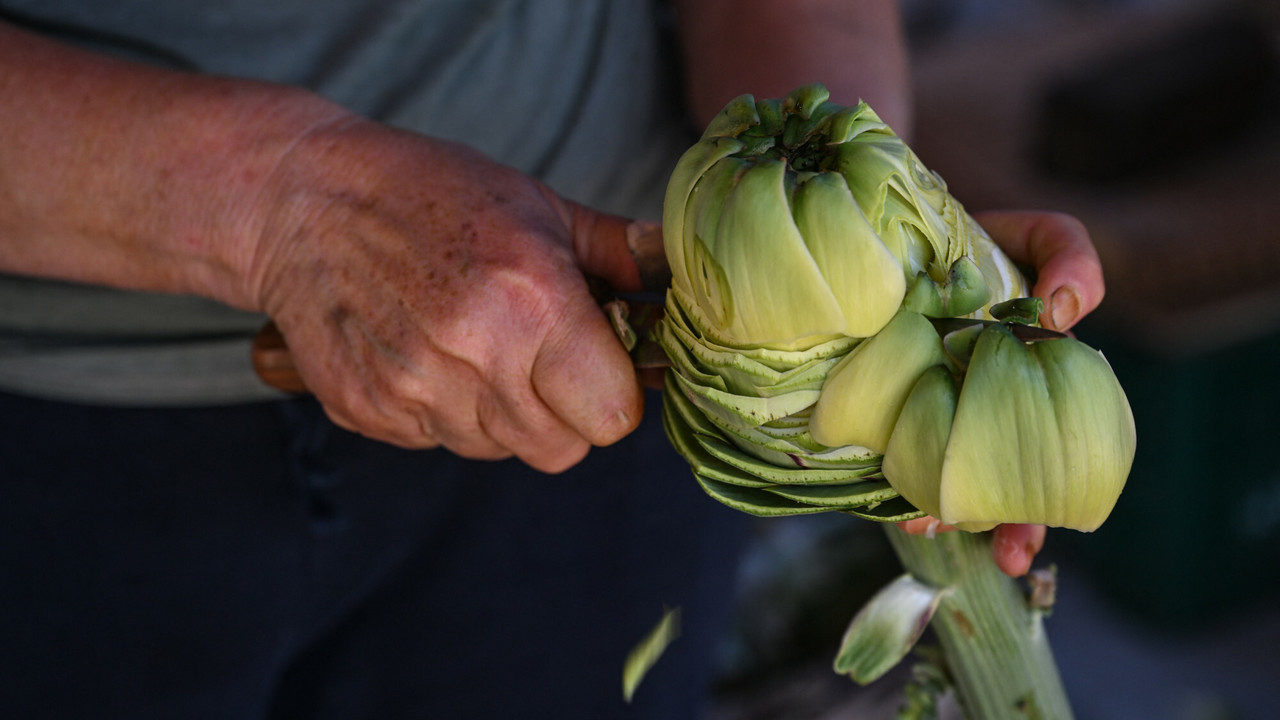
1155,122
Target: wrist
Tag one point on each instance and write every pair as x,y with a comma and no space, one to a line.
234,168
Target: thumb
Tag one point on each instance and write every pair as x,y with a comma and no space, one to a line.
1068,271
585,376
625,253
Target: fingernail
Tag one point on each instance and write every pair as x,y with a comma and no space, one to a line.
1064,307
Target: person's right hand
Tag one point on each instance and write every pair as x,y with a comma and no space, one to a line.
432,297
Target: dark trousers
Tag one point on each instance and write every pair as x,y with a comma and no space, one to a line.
258,562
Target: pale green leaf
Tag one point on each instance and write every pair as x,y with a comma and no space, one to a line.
646,654
886,628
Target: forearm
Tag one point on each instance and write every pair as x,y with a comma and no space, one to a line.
121,174
769,48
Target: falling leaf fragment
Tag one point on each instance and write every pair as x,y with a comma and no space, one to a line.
645,654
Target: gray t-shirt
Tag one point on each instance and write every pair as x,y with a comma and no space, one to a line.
579,93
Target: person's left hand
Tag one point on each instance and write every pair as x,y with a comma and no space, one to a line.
1069,280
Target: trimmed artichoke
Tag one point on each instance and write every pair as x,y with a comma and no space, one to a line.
832,325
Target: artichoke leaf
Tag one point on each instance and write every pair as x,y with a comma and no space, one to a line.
692,428
683,360
847,495
863,395
779,474
692,164
783,447
886,628
738,372
702,217
1003,278
791,448
737,116
1096,425
913,460
776,292
853,121
917,450
685,441
1004,460
850,255
646,653
782,359
745,409
890,511
754,501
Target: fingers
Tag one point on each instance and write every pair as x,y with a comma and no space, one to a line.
924,526
561,383
1068,271
519,423
1013,546
471,415
585,376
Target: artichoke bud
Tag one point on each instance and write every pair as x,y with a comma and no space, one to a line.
836,324
1038,432
784,232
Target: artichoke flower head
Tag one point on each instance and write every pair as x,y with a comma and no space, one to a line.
818,269
786,221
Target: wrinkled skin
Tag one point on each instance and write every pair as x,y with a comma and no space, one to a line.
449,307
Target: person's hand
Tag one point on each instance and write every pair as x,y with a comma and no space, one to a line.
1069,280
429,296
432,297
1068,273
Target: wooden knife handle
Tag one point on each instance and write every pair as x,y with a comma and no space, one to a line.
273,362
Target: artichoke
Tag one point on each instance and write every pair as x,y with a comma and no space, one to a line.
845,337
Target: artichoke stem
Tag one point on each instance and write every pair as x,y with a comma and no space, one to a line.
994,643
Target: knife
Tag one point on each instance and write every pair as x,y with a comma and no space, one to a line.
633,320
632,317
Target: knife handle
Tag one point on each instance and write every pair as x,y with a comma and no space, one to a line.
273,362
633,320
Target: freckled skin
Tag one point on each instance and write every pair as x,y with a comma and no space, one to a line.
454,314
